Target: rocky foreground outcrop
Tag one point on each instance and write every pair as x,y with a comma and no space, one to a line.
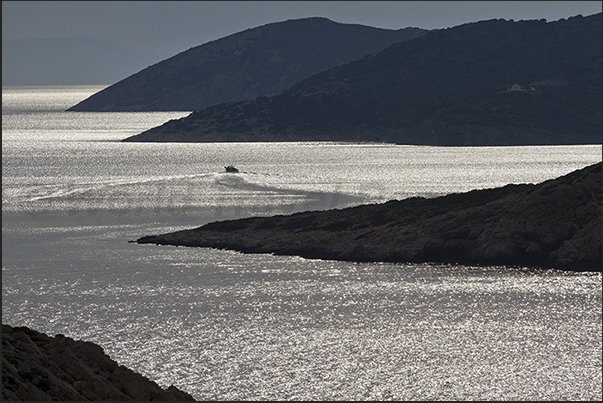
38,367
554,224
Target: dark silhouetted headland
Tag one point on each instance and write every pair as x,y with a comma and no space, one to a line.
554,224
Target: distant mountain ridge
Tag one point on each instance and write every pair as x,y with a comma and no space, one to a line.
261,61
493,82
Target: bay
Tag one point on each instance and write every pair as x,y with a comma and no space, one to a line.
224,325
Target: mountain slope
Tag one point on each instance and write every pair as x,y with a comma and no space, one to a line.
262,61
553,224
447,87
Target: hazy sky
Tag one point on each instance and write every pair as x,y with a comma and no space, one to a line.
169,27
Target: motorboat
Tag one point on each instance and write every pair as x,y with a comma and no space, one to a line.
231,168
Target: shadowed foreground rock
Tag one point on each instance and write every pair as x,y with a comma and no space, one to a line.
554,224
38,367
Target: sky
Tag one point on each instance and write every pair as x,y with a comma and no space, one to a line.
169,27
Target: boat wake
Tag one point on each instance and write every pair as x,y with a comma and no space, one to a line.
262,184
214,190
62,191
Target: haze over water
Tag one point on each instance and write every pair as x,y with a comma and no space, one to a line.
224,325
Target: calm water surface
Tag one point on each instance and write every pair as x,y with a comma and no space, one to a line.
225,325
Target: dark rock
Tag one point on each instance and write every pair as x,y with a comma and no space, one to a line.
554,224
38,367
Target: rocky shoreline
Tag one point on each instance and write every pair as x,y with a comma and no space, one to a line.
554,224
38,367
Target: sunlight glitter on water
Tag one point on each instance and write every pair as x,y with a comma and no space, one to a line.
224,325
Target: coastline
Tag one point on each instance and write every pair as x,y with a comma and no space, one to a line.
553,224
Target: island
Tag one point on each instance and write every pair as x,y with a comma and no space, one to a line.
488,83
554,224
257,62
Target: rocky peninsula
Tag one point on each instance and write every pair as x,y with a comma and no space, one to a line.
553,224
38,367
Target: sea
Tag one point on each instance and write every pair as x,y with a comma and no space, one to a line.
223,325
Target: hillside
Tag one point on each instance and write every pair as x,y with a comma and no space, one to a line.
554,224
447,87
38,367
261,61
